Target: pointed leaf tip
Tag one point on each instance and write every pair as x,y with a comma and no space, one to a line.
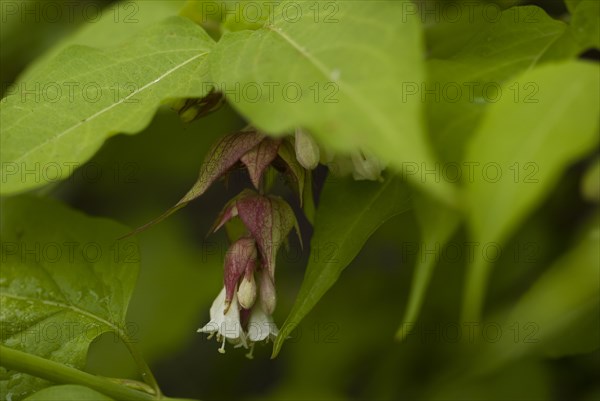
259,158
220,159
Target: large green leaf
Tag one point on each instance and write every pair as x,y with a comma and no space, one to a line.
111,26
520,150
340,75
45,134
64,281
585,24
470,58
590,185
228,15
348,213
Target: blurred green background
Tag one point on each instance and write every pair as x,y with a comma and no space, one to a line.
345,348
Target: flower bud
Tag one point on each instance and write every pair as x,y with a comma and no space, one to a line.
240,257
366,167
247,291
268,297
307,150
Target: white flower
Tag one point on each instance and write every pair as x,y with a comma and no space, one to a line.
261,327
227,326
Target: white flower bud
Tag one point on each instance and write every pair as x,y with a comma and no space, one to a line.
307,150
247,292
366,167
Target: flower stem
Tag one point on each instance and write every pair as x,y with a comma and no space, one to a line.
59,373
145,370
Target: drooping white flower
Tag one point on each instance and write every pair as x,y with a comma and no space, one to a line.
226,325
261,327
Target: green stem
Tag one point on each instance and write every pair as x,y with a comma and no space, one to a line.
145,370
59,373
478,273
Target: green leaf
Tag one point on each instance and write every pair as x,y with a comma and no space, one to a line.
572,5
590,186
470,58
55,129
489,42
339,75
112,26
437,224
520,150
64,281
553,311
228,15
68,392
348,213
585,24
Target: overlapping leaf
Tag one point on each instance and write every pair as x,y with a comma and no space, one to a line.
470,58
585,24
116,24
341,78
64,281
62,113
349,212
522,150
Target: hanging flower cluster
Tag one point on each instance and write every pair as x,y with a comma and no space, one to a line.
242,312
